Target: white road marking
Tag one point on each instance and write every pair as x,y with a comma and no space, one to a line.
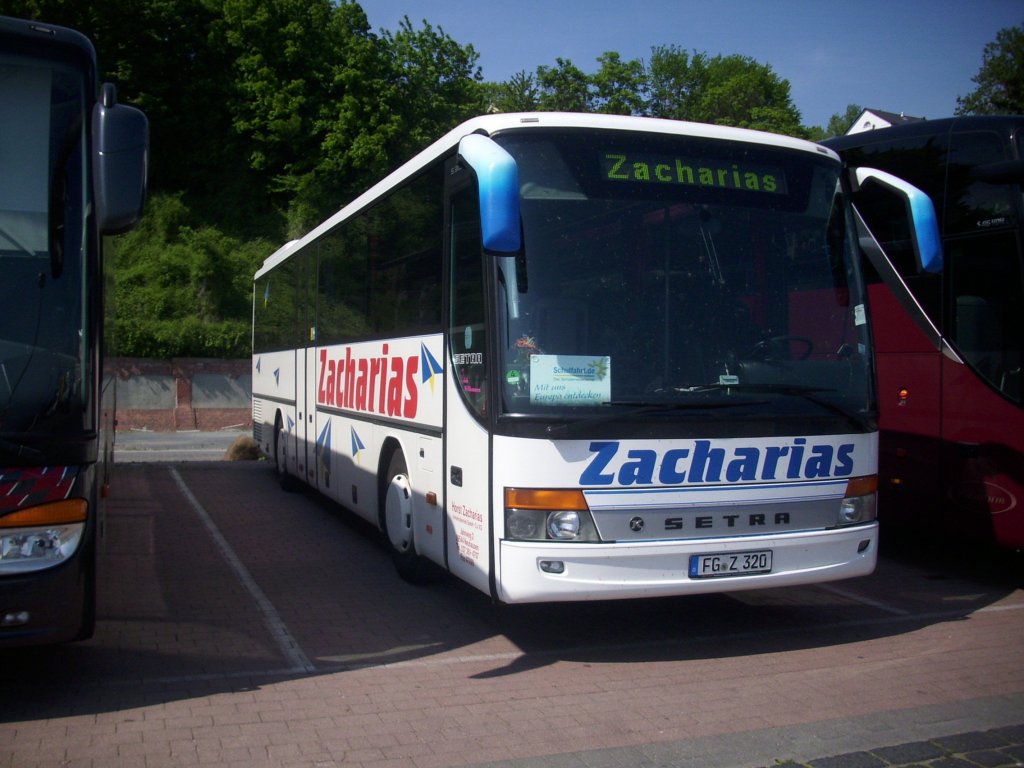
297,660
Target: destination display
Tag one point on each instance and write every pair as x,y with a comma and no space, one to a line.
646,168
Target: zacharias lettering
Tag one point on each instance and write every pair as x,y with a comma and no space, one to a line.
384,384
706,463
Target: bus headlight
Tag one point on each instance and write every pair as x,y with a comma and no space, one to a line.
548,515
564,524
860,504
523,523
41,537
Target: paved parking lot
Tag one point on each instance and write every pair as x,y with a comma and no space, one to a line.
239,625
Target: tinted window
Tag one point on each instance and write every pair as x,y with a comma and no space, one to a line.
987,293
973,205
277,302
380,272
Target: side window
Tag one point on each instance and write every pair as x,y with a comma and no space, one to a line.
986,297
277,301
973,205
343,298
467,322
404,238
380,271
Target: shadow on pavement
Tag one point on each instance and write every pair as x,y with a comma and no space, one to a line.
176,622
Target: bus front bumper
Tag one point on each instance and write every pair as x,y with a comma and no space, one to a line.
547,571
45,606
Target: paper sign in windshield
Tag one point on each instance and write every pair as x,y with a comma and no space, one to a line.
570,379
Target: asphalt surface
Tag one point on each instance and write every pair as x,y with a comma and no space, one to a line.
244,627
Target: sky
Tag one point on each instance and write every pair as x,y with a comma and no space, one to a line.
905,56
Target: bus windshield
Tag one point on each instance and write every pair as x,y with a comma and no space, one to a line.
682,275
44,387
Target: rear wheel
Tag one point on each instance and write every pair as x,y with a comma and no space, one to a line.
286,481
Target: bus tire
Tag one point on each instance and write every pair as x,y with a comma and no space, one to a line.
286,481
397,522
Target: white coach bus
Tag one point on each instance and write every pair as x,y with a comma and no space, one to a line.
572,357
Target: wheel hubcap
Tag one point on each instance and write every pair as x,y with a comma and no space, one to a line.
398,513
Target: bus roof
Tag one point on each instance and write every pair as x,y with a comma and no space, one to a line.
35,38
492,124
998,123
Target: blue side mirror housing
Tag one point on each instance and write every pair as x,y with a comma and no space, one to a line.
498,183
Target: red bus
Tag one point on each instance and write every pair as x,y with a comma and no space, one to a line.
949,335
72,169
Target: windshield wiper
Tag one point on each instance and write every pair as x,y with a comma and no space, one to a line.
810,394
12,450
641,408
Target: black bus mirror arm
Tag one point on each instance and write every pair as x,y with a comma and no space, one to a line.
120,162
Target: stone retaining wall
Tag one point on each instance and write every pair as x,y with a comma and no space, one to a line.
181,394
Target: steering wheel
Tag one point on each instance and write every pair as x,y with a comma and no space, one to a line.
767,349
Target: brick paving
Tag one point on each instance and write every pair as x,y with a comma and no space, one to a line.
1001,747
996,748
307,650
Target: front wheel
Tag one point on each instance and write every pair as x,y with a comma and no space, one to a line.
397,521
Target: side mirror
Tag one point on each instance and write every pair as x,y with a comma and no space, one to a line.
498,181
924,224
120,162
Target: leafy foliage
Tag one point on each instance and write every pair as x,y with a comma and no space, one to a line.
1000,80
564,88
727,90
182,289
838,124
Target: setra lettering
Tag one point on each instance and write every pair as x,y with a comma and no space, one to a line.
721,522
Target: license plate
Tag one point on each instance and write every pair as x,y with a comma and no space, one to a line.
730,564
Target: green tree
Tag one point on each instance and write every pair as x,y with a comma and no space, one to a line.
727,90
437,85
351,122
159,55
564,88
283,56
389,97
182,289
738,91
672,83
1000,81
518,94
838,124
619,86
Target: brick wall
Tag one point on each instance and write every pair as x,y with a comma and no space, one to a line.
181,394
